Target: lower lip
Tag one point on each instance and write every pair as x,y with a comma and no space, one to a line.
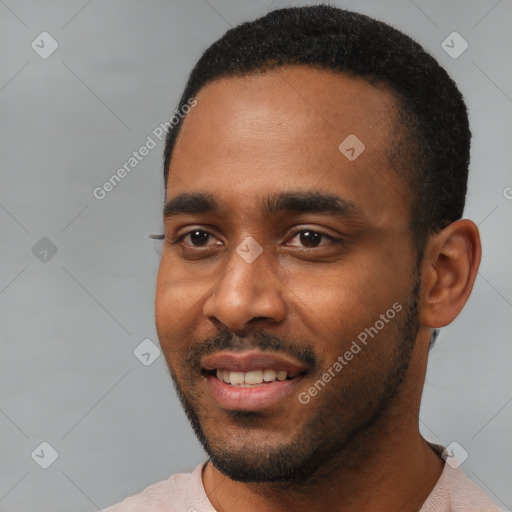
255,398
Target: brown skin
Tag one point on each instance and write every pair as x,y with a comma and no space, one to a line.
279,132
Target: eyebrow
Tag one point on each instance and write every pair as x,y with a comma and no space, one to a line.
293,202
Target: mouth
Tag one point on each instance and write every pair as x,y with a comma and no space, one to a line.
252,378
251,381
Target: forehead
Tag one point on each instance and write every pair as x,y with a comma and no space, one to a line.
294,128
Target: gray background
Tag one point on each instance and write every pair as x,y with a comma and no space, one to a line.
71,321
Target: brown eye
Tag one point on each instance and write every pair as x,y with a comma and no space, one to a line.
199,237
310,239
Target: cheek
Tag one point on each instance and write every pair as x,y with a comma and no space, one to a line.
177,304
335,305
331,313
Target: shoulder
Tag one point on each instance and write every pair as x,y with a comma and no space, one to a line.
466,494
168,495
153,497
455,492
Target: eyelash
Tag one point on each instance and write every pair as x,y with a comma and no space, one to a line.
296,233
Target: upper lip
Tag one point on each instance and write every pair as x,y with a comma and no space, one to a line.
252,360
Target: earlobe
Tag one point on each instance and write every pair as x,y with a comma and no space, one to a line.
449,269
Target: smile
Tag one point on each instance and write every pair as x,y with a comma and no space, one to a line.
252,380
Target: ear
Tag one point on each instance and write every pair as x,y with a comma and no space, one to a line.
449,267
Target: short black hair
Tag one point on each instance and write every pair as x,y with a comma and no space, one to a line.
432,144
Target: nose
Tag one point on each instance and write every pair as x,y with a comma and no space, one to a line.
244,292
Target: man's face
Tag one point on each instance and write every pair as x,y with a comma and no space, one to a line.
329,257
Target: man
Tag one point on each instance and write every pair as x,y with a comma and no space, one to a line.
313,245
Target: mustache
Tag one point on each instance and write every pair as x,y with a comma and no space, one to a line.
262,340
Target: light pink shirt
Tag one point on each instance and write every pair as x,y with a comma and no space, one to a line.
184,492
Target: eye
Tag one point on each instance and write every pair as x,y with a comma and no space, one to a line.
197,238
310,238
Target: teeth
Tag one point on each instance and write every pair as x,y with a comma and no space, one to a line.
269,375
236,378
223,375
252,378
